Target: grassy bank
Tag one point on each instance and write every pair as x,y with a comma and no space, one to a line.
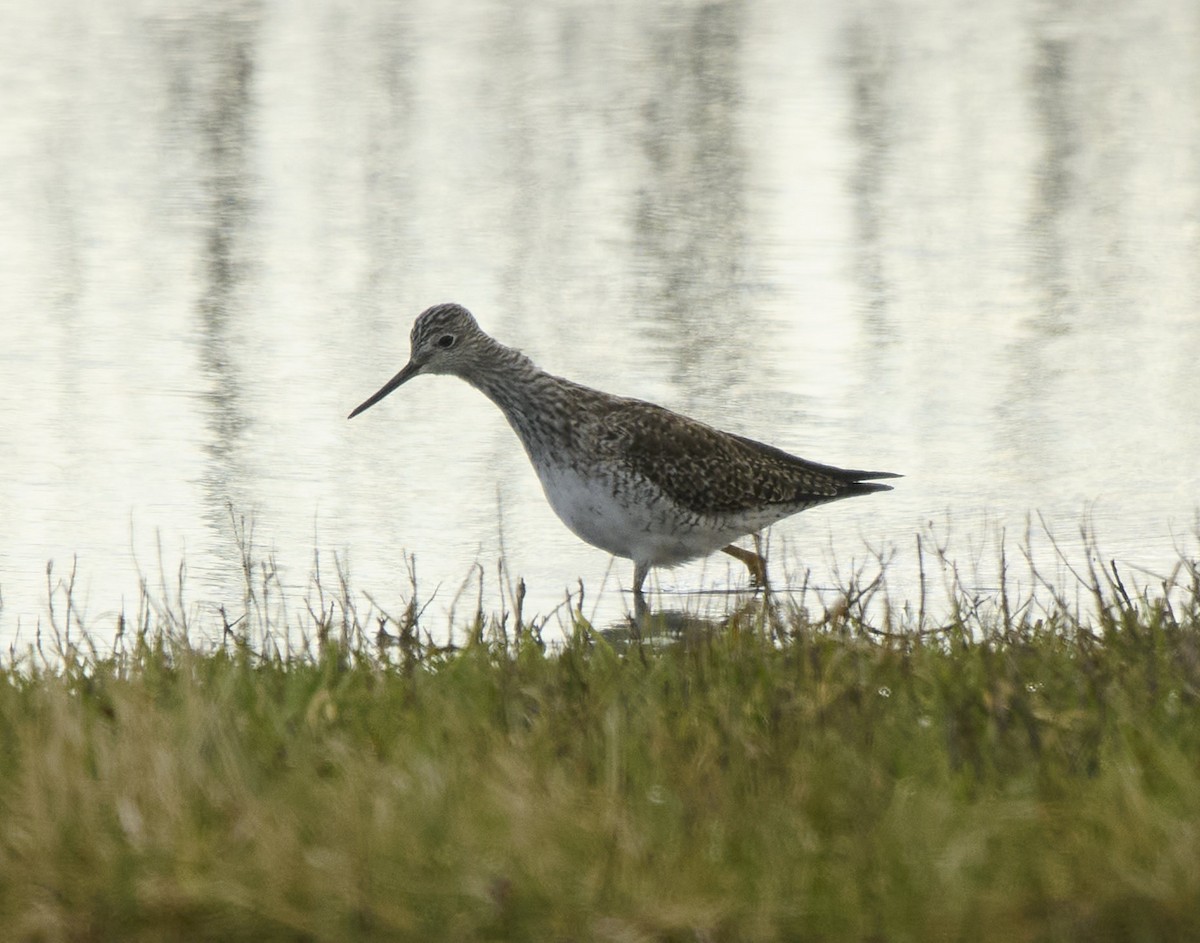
782,778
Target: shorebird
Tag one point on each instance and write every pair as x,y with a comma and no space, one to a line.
627,476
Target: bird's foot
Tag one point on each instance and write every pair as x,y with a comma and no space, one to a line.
755,562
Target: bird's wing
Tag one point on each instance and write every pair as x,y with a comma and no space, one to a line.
709,471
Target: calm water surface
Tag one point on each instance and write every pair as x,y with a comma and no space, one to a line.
956,241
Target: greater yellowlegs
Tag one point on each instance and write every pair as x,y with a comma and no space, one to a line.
627,476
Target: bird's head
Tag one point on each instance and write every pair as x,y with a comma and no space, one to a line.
445,339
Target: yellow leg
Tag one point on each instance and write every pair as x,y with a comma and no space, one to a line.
755,562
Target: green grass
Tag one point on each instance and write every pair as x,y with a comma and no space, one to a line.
786,778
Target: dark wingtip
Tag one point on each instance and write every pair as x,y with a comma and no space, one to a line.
862,483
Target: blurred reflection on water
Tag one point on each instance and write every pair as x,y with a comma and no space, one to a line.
956,242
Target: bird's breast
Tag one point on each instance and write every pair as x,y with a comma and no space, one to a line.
595,508
630,517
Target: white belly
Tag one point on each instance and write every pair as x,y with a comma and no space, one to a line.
642,525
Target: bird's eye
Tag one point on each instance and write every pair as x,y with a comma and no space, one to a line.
446,341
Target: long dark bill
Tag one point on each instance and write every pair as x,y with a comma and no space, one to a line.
409,371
